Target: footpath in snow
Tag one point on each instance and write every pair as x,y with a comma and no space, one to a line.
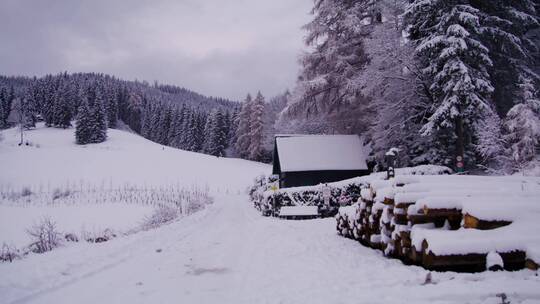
228,253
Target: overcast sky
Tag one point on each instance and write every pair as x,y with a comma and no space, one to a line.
215,47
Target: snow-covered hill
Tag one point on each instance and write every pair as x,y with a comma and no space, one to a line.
53,159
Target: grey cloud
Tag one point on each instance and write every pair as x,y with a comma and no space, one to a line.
221,48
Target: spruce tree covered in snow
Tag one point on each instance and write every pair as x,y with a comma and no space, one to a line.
98,119
327,90
243,141
164,122
187,140
522,126
447,35
233,130
507,25
256,147
199,136
174,130
28,112
62,113
6,103
83,128
111,107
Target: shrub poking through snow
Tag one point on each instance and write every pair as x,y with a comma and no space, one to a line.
26,191
59,193
162,215
70,237
9,253
45,236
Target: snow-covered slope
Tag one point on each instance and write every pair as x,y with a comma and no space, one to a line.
55,160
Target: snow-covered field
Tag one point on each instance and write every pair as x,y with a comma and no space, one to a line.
226,253
55,160
81,220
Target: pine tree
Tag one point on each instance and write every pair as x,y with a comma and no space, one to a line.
190,139
244,128
6,103
164,123
328,78
98,120
112,107
50,86
507,25
186,133
522,126
3,109
219,134
256,148
83,128
62,107
174,130
146,123
155,118
199,131
447,36
209,144
233,129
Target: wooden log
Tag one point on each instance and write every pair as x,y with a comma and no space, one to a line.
470,221
471,262
514,260
388,201
401,219
532,265
441,212
403,205
415,256
438,219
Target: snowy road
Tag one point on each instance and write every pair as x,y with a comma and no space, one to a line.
228,253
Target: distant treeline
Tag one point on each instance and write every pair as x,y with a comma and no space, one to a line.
168,115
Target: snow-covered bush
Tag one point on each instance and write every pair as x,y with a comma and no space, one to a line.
59,193
161,215
45,236
9,253
26,191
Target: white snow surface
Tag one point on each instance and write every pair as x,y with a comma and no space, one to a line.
79,219
298,210
321,152
228,253
125,158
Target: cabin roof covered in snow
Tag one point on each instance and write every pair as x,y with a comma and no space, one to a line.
320,152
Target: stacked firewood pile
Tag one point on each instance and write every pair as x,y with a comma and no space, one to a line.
458,223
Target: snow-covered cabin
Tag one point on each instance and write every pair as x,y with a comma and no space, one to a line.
303,160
